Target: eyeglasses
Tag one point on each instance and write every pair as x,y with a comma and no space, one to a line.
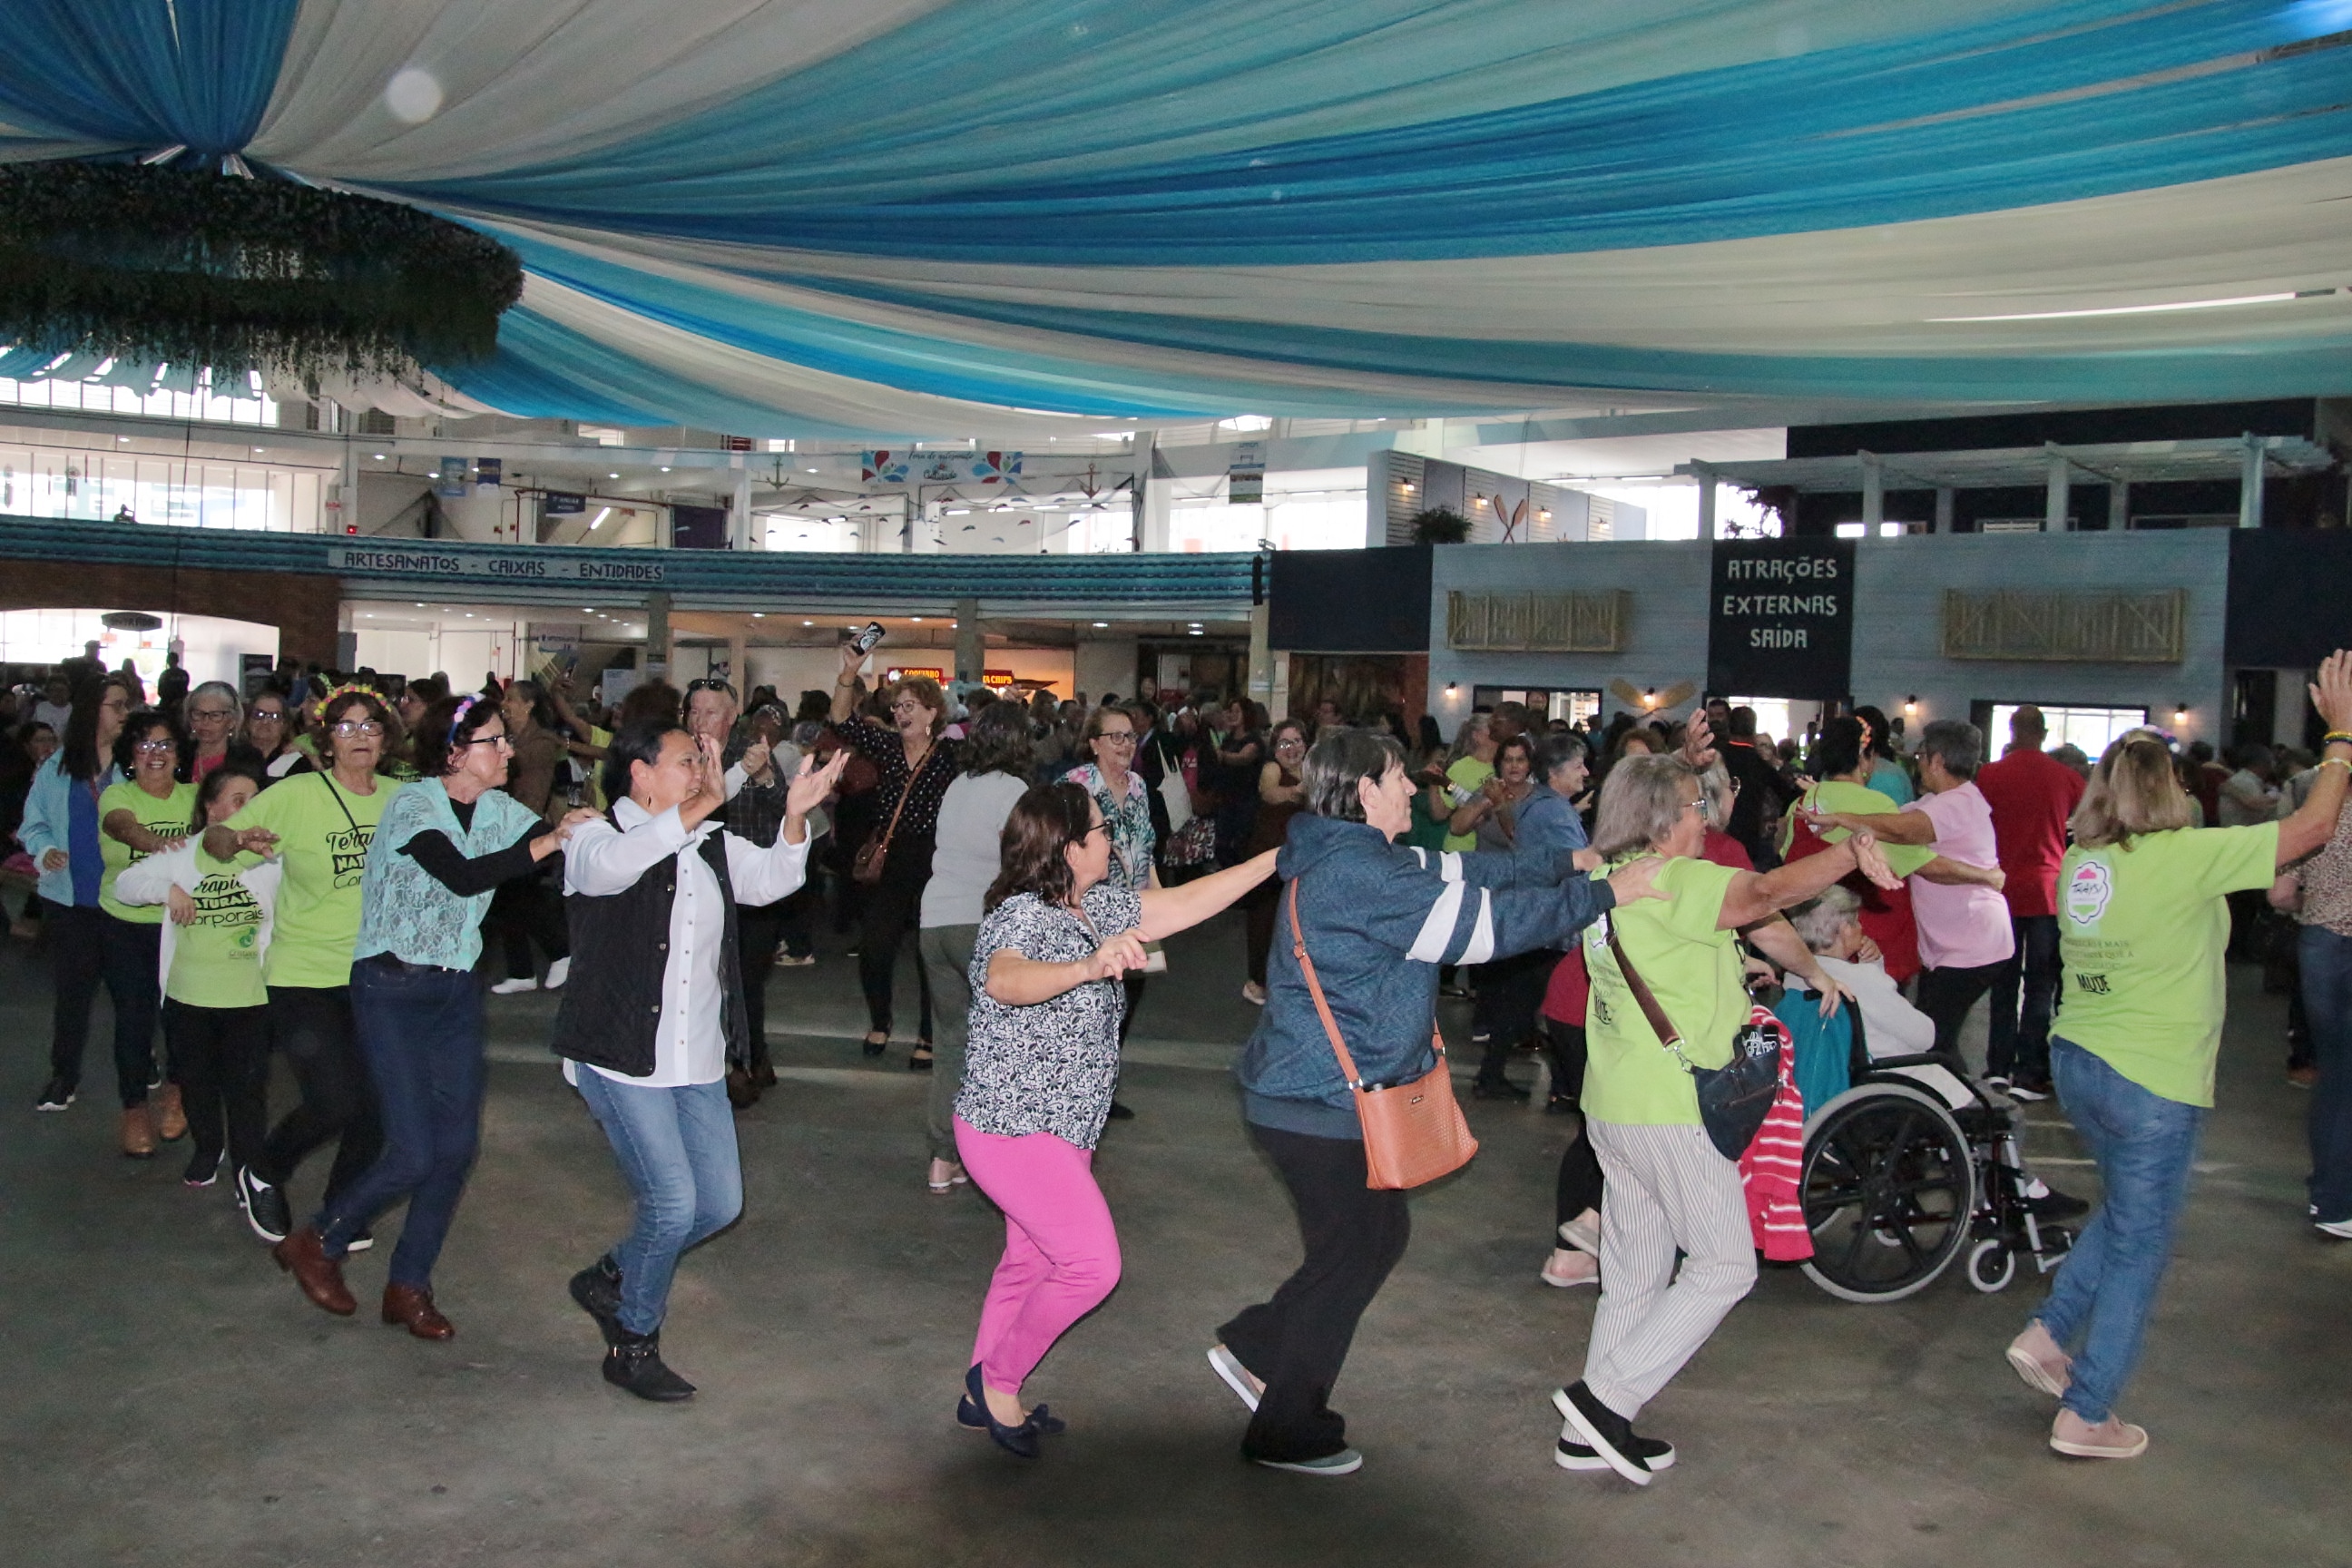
195,713
267,716
1290,744
710,683
151,747
1118,737
1703,806
359,728
500,739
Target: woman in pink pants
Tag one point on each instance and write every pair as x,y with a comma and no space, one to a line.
1042,1061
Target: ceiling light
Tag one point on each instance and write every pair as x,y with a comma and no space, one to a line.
602,513
2135,309
1099,625
919,620
759,615
808,623
379,457
587,609
665,467
612,476
126,438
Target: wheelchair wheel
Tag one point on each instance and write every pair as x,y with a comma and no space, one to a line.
1888,1189
1991,1266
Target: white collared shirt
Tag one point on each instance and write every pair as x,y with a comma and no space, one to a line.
691,1041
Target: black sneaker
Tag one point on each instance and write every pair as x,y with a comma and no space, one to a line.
263,1205
56,1095
597,1288
1656,1452
633,1361
203,1170
2030,1089
360,1241
2054,1205
1608,1435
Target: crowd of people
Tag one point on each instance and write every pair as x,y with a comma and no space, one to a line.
313,872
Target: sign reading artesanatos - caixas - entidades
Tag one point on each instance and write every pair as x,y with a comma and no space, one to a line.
1781,618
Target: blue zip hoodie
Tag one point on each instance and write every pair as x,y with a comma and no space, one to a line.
1378,919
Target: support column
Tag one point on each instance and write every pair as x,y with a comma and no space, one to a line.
1874,492
738,515
971,641
1705,477
2118,505
1944,497
739,666
656,659
1261,656
2250,482
2062,478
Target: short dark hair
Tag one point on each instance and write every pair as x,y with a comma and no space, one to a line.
135,728
1956,744
1839,749
640,742
1741,723
387,757
437,740
1045,821
1339,762
1523,744
997,741
1556,751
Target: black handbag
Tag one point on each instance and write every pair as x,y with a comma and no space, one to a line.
1734,1098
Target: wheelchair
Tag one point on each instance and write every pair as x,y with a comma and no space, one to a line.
1910,1167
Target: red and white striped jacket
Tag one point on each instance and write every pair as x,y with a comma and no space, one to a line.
1773,1166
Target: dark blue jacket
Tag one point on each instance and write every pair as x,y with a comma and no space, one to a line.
1378,919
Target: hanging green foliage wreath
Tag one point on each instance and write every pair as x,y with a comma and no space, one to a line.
192,267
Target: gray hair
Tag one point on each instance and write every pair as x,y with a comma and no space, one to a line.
1476,724
1640,805
1957,745
1717,782
1822,920
1340,763
1554,750
222,689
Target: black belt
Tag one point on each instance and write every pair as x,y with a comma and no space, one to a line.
389,960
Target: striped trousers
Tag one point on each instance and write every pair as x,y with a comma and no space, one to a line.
1667,1191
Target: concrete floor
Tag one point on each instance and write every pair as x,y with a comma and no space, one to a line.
170,1399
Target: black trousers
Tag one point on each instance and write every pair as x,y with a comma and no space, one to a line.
1945,995
2024,998
1579,1168
528,910
88,947
311,1026
1510,990
887,922
758,929
1299,1341
130,953
220,1058
1564,1045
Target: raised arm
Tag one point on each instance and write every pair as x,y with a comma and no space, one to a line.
845,684
2313,822
1756,894
1167,911
1914,827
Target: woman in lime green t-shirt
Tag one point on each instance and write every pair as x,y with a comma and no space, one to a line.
147,812
2141,928
1668,1189
215,1022
319,826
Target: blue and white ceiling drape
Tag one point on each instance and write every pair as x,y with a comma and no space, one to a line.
1012,217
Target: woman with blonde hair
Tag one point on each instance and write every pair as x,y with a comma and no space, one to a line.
2141,932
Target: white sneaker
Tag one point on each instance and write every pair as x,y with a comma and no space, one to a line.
1581,1237
557,974
1237,1377
1254,993
2341,1230
513,987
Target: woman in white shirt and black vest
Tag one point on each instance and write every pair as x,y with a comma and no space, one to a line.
653,1013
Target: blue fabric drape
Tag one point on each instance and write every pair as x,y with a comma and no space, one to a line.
143,75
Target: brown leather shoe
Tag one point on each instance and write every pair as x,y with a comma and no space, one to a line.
320,1277
414,1310
137,1133
741,1092
171,1116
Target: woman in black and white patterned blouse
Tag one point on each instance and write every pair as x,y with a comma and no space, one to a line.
1040,1065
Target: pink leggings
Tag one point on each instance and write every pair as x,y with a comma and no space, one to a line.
1061,1255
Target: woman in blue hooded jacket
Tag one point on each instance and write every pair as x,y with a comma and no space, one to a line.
1378,920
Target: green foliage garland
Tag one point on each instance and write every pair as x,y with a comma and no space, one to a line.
189,268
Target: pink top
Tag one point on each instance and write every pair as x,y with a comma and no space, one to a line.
1960,928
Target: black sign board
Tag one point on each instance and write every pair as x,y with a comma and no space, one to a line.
1781,618
562,503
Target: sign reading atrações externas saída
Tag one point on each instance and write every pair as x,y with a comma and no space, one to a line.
1781,618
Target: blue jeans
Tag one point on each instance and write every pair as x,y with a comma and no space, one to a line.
2327,1006
420,1031
676,1148
2145,1144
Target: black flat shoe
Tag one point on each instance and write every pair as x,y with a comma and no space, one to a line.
1560,1105
1497,1091
875,1047
597,1289
1020,1441
1119,1112
920,1059
975,1416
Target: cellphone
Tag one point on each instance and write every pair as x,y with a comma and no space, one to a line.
864,640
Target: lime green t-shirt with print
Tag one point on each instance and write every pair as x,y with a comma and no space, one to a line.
1469,774
2140,937
168,815
1694,970
1856,800
323,832
216,956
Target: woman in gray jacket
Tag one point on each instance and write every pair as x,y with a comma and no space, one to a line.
1378,920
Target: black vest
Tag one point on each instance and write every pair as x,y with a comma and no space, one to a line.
611,1006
